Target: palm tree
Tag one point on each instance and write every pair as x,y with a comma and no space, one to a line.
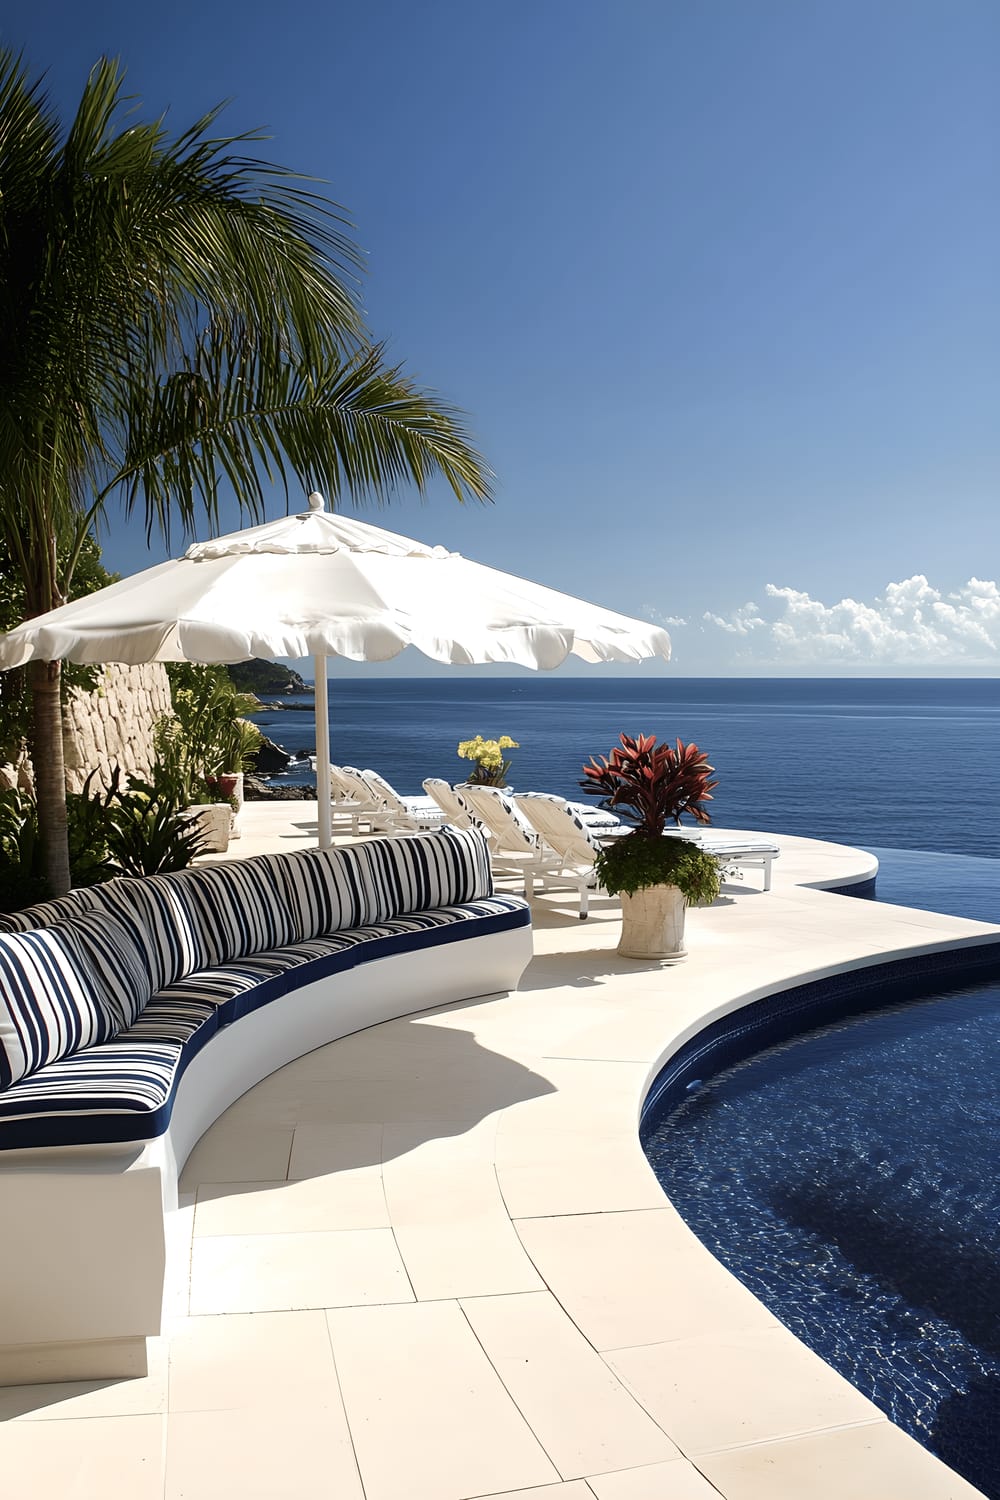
172,313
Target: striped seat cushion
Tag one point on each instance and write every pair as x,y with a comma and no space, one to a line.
52,1001
123,1090
337,952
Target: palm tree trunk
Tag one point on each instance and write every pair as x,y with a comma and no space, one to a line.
50,771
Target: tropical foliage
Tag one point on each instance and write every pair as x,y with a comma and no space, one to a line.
636,862
113,830
649,786
174,313
207,735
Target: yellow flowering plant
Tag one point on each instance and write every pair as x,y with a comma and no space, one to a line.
491,767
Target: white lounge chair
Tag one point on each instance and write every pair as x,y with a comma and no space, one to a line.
516,847
558,822
356,800
345,803
454,809
564,828
401,814
752,854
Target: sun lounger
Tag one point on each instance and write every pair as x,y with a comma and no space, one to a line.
402,814
741,854
515,845
456,812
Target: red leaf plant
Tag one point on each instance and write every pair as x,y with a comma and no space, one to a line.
650,785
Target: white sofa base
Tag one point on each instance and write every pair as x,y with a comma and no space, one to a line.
82,1253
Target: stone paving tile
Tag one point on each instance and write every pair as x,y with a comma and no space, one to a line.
872,1462
113,1458
251,1360
718,1390
581,1414
430,1416
637,1278
679,1480
266,1453
452,1229
337,1200
277,1272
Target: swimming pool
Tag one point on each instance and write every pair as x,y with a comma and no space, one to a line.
847,1174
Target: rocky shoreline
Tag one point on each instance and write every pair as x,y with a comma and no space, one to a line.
257,790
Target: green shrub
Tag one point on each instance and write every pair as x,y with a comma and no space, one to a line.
636,861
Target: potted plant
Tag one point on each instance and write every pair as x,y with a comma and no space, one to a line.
237,743
491,768
657,876
177,775
205,745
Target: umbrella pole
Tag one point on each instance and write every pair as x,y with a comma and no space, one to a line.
323,754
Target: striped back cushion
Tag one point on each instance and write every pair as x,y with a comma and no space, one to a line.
116,959
326,890
427,870
46,912
160,923
51,1001
237,908
330,890
163,922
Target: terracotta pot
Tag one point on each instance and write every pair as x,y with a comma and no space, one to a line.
653,923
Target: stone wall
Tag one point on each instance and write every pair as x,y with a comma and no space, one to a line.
114,725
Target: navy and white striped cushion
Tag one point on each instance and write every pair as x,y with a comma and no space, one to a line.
116,959
124,1089
326,890
120,1091
51,1001
427,870
45,913
239,907
163,921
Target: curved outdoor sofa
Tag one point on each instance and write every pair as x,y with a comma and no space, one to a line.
133,1013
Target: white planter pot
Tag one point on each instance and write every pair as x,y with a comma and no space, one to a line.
653,923
214,820
235,831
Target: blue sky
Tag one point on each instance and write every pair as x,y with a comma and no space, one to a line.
716,281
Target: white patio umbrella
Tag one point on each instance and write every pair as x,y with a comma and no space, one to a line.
319,584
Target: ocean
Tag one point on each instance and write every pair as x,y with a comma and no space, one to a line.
909,764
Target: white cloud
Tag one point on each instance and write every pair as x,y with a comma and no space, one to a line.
741,622
658,618
911,624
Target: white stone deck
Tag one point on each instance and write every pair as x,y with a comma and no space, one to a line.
430,1261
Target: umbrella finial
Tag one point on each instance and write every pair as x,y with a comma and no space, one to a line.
316,501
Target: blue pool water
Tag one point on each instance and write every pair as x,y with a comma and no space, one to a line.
848,1176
